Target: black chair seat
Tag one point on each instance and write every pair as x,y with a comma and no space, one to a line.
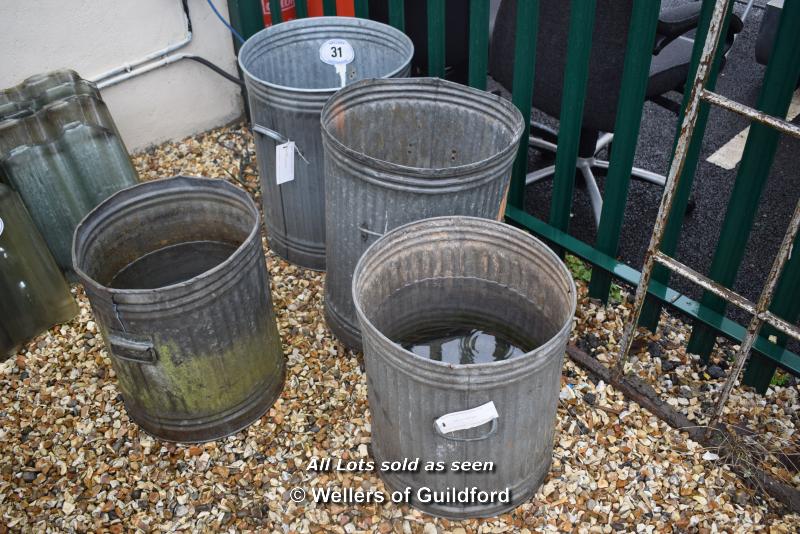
670,68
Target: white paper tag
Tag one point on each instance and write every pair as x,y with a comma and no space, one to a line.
453,422
284,162
339,53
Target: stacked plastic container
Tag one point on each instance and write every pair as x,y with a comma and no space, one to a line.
60,150
60,156
34,292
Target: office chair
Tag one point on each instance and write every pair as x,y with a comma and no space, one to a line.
669,69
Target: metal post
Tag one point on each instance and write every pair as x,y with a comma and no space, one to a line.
642,29
397,14
758,318
785,304
436,38
759,152
247,16
669,244
522,89
275,11
361,8
674,176
573,94
301,8
478,43
329,8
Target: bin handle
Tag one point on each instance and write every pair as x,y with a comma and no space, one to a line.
133,348
277,137
367,232
466,419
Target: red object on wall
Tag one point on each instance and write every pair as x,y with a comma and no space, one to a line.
287,11
344,8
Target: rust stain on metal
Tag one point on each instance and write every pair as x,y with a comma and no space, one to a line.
760,310
674,176
779,124
705,282
761,314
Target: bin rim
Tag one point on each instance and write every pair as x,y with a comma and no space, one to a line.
200,279
286,26
456,222
442,173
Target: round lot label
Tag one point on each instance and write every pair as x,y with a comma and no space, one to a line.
336,52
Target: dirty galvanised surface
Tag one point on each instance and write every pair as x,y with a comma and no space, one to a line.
446,283
376,183
174,272
71,459
287,87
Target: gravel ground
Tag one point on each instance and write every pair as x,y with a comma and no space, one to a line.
71,459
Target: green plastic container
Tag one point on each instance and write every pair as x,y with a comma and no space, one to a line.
63,160
39,90
34,293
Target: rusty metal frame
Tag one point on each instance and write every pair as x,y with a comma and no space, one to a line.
781,125
760,310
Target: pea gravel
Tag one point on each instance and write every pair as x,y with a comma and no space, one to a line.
72,460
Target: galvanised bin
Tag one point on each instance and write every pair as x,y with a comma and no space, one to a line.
176,276
469,272
33,292
288,84
401,150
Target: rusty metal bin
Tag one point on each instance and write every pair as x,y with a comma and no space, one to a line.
177,280
288,84
401,150
468,273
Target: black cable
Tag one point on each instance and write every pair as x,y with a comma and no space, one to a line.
215,68
188,18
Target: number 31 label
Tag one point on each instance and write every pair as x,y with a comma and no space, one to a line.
336,52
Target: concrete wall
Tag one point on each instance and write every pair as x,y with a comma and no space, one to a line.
94,36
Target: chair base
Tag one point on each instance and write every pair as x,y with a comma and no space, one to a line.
585,166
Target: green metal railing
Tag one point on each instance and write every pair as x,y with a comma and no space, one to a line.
576,77
522,90
669,245
769,126
779,82
759,152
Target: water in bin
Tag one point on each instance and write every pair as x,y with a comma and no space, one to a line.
455,337
445,306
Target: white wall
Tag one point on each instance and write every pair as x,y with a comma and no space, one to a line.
94,36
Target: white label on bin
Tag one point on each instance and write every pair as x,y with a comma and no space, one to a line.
453,422
339,53
284,162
